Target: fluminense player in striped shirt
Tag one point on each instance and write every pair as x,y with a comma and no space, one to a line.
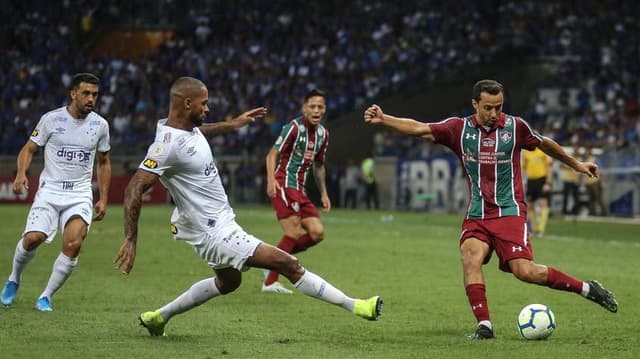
488,144
299,150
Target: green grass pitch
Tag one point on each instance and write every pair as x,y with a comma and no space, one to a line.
412,261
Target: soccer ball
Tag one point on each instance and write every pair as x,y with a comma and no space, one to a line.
536,321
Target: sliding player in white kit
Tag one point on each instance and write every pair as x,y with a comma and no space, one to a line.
72,136
182,160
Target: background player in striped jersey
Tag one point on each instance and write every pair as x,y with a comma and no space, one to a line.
72,137
488,144
301,146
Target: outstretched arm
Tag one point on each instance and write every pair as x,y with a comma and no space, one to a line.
408,126
553,149
139,183
213,129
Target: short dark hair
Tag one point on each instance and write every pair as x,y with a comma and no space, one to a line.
314,93
83,77
491,87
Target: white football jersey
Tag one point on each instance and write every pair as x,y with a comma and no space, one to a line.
70,147
184,162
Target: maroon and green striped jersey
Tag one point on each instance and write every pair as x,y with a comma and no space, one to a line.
300,145
491,159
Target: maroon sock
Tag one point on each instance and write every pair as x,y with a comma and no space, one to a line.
286,244
478,301
562,281
303,243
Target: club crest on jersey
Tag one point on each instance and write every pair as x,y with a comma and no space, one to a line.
488,142
506,137
295,206
35,133
149,163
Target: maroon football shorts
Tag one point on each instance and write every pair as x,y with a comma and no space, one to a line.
290,202
507,236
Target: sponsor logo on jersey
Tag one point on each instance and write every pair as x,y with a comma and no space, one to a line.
191,151
506,137
467,155
149,163
60,130
35,133
209,169
507,121
488,142
94,123
70,155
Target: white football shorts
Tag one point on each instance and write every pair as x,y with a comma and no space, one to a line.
50,212
228,249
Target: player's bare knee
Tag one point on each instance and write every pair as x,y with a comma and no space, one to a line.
317,235
32,240
71,247
525,273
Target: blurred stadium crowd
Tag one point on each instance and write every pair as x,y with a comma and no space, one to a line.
255,53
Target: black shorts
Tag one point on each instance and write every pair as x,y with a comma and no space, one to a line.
535,189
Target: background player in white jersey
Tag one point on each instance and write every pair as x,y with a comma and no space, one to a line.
72,137
182,160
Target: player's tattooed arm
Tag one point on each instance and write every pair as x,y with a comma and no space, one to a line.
139,184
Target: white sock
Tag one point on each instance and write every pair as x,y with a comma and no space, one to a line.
62,268
20,259
314,286
199,293
585,289
486,323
